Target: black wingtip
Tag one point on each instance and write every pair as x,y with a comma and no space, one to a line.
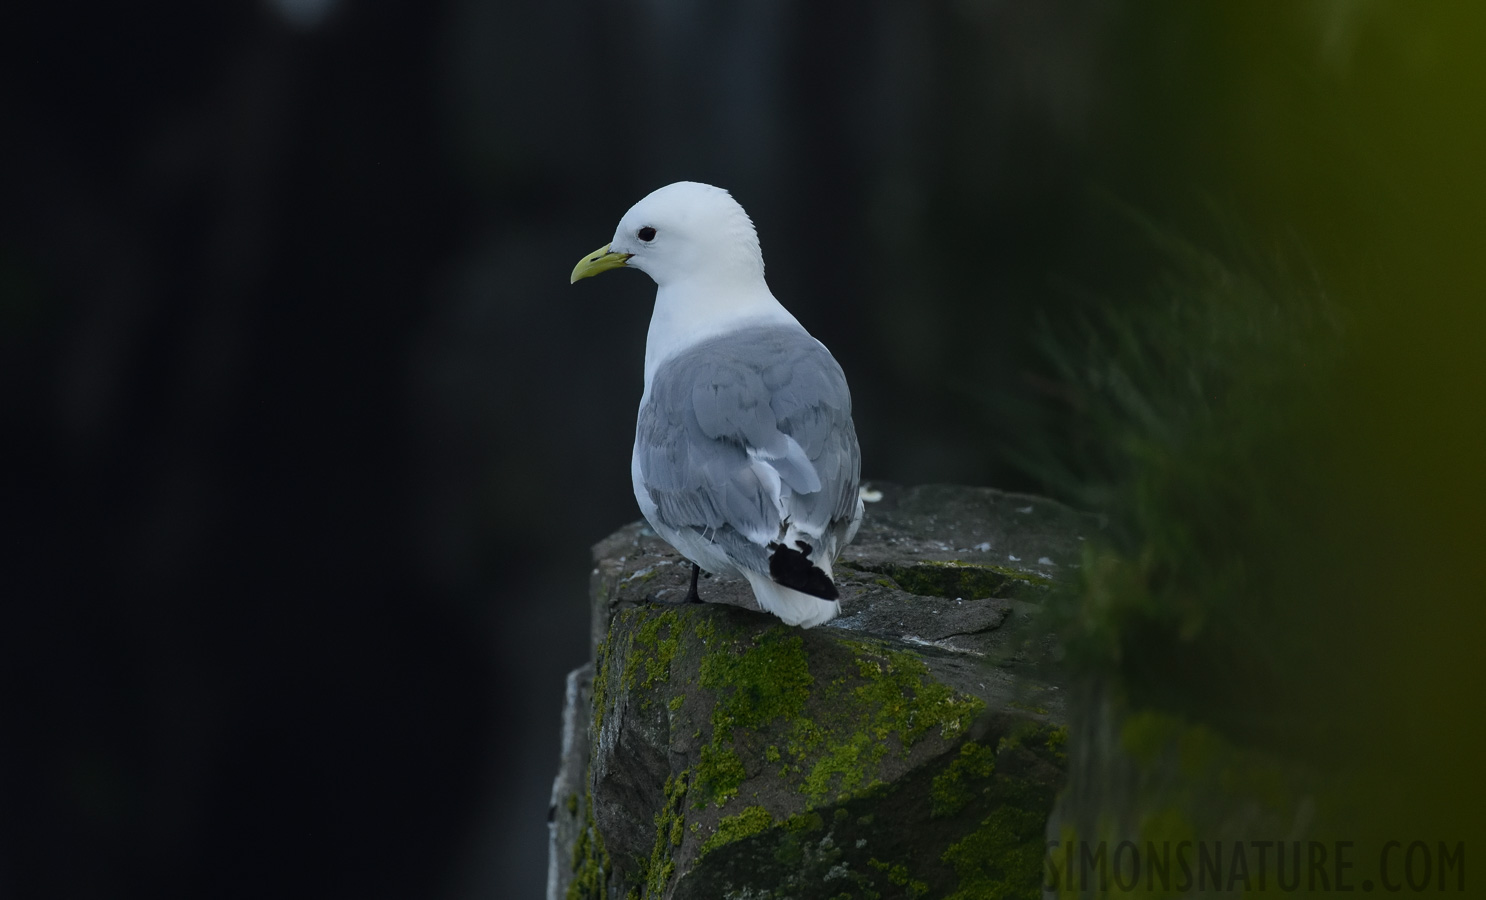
793,569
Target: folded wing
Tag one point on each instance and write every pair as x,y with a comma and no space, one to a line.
747,440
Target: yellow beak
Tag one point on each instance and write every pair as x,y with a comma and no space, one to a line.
600,260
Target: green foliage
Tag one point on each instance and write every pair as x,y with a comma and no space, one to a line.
1188,420
1205,758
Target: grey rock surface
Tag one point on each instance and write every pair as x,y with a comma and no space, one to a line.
911,748
565,815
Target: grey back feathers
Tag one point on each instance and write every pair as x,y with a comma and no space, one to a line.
770,393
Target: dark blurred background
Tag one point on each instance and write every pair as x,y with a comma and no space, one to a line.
308,436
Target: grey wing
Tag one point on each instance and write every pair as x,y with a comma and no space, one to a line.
812,405
747,434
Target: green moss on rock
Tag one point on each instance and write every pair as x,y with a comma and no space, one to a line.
590,860
758,680
1057,740
747,823
894,696
719,773
842,767
953,788
760,683
802,822
885,700
658,640
1002,858
897,873
796,722
670,831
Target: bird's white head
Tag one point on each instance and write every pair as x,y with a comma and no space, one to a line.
700,247
684,233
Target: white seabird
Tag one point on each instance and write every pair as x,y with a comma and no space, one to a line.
746,459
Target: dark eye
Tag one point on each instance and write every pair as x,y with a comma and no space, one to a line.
646,234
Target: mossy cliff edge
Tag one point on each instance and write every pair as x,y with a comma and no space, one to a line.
912,748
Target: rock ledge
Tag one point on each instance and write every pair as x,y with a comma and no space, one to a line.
911,748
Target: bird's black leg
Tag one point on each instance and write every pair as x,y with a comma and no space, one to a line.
692,596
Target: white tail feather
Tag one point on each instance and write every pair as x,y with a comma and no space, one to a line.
790,605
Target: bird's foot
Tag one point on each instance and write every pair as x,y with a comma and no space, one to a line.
691,595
